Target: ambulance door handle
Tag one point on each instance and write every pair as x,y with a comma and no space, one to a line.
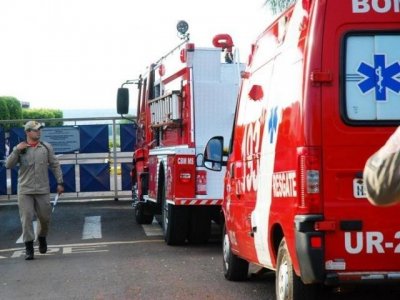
235,181
253,231
253,228
359,175
351,225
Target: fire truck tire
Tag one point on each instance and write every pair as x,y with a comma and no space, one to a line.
235,268
174,223
288,285
200,225
141,216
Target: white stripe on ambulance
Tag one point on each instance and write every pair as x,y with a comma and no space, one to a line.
379,6
260,219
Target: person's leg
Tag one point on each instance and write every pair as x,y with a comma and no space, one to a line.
26,214
43,212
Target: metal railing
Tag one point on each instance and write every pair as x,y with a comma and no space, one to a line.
114,157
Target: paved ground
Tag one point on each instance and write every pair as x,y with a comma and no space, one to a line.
97,251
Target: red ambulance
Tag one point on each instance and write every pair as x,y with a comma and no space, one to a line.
320,94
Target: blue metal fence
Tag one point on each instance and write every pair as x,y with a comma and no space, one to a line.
3,181
2,143
93,138
82,176
128,137
3,175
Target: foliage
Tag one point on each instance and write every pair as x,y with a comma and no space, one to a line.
4,113
10,109
111,144
14,107
278,6
42,113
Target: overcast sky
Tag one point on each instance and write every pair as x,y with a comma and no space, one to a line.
76,53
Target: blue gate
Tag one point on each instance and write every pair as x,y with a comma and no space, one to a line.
98,169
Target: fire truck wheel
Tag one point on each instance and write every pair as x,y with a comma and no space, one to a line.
174,223
288,286
141,216
235,268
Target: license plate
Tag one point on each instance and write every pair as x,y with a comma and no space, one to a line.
359,188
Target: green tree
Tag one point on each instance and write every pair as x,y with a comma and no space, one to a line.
14,107
42,113
11,109
4,113
278,6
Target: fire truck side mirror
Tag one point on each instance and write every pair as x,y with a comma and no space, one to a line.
123,101
213,154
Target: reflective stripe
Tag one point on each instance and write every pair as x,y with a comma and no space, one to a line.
196,202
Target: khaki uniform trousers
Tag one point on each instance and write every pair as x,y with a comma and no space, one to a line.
29,206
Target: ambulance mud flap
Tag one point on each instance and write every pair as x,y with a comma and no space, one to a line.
310,255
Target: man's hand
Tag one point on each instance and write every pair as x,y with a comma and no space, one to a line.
21,147
60,189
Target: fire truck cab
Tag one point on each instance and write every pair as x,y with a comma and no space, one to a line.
320,94
184,98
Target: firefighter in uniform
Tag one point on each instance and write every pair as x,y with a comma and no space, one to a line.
382,173
34,158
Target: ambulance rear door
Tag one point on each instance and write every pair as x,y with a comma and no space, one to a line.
360,109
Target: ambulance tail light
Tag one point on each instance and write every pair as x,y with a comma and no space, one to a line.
310,180
316,242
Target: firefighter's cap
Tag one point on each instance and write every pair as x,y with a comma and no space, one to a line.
33,125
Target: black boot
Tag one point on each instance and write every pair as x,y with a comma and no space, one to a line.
42,244
29,250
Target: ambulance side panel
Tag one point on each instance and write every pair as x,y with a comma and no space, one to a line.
323,86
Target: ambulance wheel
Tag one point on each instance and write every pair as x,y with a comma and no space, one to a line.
141,216
200,225
288,286
174,222
235,268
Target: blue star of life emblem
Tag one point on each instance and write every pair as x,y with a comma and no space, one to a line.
272,124
379,77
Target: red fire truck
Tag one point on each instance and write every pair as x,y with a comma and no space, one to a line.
184,99
320,94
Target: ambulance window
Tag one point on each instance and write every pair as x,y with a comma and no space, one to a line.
372,78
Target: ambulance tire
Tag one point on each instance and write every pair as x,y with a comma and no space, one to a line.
288,286
141,216
200,225
174,222
235,268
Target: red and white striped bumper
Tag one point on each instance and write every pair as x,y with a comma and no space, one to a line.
196,202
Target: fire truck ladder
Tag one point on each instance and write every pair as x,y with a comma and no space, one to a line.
165,110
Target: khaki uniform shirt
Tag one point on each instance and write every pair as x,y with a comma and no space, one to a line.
33,177
382,173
